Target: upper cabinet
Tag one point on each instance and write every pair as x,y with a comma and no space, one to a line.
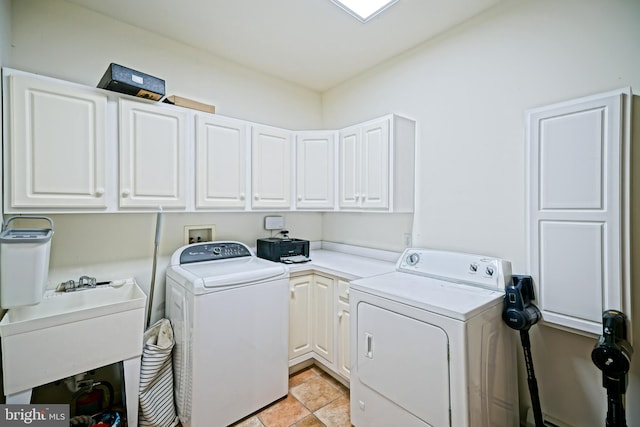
315,170
578,178
153,155
73,148
270,167
56,153
221,156
377,165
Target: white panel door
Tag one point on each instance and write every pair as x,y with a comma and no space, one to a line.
299,315
577,175
271,167
153,141
349,174
315,159
374,185
221,175
322,317
57,144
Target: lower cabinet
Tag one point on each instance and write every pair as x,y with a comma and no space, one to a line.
322,316
319,321
299,315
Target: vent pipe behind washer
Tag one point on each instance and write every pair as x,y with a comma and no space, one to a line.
153,267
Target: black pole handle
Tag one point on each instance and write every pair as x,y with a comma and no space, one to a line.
531,378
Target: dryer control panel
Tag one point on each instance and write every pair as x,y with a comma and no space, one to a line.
213,251
471,269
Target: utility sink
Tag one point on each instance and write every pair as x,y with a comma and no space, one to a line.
70,333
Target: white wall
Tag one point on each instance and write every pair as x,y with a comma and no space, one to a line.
468,91
117,237
373,230
5,29
66,41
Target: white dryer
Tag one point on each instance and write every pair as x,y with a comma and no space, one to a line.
229,312
428,345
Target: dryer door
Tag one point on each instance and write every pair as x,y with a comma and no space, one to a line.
406,361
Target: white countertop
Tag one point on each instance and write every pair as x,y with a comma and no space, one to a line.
346,261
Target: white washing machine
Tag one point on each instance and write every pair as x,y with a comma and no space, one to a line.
229,312
428,345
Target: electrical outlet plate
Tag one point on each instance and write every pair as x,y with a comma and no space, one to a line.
273,223
199,233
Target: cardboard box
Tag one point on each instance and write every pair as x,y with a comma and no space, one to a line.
189,103
125,80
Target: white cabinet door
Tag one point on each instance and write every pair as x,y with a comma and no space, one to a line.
364,166
577,154
300,297
374,174
153,150
57,146
315,153
377,165
349,174
343,317
322,317
271,167
221,156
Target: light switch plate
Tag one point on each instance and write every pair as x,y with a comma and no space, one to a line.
273,223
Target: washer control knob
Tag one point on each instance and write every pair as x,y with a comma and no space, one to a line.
489,270
473,267
217,250
413,258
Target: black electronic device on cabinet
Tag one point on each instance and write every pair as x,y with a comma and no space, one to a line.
283,249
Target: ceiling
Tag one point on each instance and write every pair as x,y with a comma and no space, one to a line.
312,43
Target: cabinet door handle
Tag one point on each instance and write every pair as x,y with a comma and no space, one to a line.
340,314
299,198
256,196
369,339
99,192
126,193
241,196
293,291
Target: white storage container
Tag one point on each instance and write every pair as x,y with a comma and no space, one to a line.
24,263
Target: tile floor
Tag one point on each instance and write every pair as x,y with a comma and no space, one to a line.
315,399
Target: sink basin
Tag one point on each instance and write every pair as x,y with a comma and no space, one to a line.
70,333
59,308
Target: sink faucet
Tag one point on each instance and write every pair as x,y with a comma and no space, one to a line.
85,282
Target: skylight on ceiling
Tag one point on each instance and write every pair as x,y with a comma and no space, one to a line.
364,10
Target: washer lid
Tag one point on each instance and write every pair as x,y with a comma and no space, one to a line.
226,273
455,300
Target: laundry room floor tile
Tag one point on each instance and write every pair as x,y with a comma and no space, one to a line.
336,413
315,399
315,393
310,421
283,413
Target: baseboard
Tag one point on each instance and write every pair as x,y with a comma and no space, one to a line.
549,421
